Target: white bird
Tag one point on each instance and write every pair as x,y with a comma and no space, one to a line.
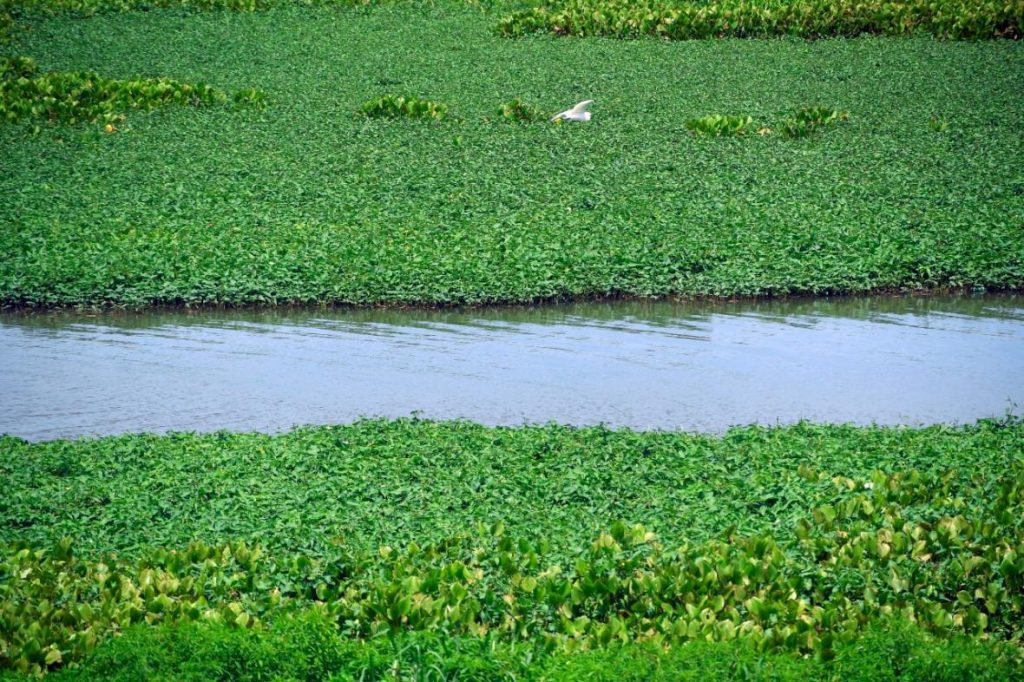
577,113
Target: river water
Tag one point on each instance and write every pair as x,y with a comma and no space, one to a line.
645,365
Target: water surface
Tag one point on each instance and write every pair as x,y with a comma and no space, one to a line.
645,365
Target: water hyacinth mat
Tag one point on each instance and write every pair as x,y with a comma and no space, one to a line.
792,540
305,198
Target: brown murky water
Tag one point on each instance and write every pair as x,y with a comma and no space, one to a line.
645,365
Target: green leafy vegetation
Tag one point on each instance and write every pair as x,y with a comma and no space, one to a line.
13,68
420,550
307,646
76,96
302,646
34,8
922,548
938,124
719,124
518,111
790,539
303,202
810,119
250,97
400,106
678,20
890,652
6,24
802,124
394,482
819,116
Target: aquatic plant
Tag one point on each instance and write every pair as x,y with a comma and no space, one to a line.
810,119
84,96
938,124
170,490
719,125
306,645
400,106
675,20
902,546
374,214
518,111
22,8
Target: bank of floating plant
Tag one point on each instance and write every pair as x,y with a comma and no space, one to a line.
680,20
835,545
961,570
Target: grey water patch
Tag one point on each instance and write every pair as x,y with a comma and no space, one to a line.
643,365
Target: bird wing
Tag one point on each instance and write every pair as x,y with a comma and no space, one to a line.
582,106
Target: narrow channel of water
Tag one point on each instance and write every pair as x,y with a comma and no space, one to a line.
645,365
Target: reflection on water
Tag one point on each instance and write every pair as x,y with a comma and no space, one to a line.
642,364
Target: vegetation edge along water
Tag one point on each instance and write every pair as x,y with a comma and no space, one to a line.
798,549
792,539
114,308
325,206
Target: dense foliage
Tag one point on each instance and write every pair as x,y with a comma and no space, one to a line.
308,646
303,201
305,645
785,540
915,547
518,111
395,482
801,124
400,106
76,96
680,20
35,8
720,124
419,550
809,119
